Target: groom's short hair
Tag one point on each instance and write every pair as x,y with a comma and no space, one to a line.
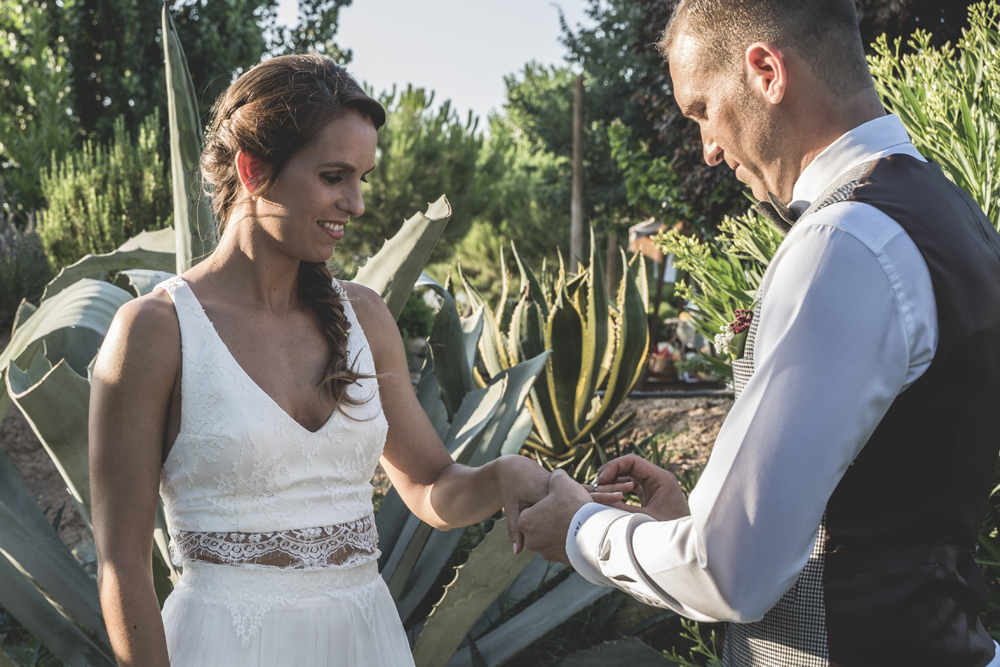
822,32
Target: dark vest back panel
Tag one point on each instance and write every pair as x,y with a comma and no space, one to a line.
892,580
901,586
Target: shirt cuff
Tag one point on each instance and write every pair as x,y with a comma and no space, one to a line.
583,540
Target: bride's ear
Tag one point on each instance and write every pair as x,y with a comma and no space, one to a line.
250,168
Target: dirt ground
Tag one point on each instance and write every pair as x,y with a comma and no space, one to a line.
687,428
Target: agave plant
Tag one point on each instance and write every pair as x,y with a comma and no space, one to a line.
594,343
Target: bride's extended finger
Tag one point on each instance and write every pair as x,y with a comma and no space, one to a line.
609,499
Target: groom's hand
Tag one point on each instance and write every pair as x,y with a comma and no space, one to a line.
545,524
658,490
522,484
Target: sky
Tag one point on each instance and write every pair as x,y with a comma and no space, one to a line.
461,49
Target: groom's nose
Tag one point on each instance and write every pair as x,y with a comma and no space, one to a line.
713,154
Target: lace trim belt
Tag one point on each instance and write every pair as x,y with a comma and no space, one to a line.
341,545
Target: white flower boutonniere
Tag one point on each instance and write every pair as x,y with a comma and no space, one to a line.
732,338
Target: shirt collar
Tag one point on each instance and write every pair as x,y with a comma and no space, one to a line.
863,143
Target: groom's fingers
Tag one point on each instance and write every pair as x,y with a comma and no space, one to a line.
630,465
516,538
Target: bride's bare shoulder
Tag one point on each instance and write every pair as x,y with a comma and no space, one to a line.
376,321
144,334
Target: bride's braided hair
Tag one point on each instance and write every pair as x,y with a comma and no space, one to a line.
273,111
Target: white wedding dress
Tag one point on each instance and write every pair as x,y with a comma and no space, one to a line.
272,523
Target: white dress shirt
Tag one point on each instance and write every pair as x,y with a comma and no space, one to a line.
848,322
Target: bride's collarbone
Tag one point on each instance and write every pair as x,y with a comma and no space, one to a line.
286,357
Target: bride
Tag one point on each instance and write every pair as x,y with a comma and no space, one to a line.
255,395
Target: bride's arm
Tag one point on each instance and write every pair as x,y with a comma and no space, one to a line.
134,378
439,491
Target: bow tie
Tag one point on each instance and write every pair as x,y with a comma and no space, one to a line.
775,210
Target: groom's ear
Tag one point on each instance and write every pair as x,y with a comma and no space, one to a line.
766,73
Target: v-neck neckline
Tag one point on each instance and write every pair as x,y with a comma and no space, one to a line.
242,370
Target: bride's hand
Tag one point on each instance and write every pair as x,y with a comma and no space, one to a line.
522,484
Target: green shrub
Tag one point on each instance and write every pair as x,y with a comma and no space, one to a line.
24,269
724,273
99,197
417,318
948,100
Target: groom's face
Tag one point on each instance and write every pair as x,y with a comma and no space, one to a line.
734,124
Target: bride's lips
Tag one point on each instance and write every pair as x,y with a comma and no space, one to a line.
333,228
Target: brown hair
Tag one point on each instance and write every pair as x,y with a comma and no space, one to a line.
273,111
824,33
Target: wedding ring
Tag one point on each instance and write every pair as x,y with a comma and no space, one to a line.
595,483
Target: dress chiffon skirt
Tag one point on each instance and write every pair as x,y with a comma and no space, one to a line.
226,616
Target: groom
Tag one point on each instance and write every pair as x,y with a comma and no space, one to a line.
836,521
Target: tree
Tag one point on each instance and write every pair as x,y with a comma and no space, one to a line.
107,57
423,153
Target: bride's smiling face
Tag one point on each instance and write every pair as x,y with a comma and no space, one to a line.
318,190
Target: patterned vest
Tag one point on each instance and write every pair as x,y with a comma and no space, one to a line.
891,579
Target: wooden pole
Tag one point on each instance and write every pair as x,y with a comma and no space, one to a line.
576,205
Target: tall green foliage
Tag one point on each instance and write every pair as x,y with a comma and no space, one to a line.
70,68
725,273
947,98
100,196
35,103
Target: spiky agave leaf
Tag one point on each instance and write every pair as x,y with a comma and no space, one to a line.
394,270
194,224
65,613
505,642
491,568
594,313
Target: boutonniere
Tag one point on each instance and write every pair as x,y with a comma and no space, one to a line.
732,338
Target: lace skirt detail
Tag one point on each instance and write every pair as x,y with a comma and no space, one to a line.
228,616
341,545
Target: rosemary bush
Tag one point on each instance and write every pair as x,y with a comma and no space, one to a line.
99,197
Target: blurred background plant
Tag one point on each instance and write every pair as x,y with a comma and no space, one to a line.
24,268
949,100
724,275
100,196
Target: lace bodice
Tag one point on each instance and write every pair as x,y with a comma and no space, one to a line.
247,484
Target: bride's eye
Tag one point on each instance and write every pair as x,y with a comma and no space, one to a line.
364,180
333,179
